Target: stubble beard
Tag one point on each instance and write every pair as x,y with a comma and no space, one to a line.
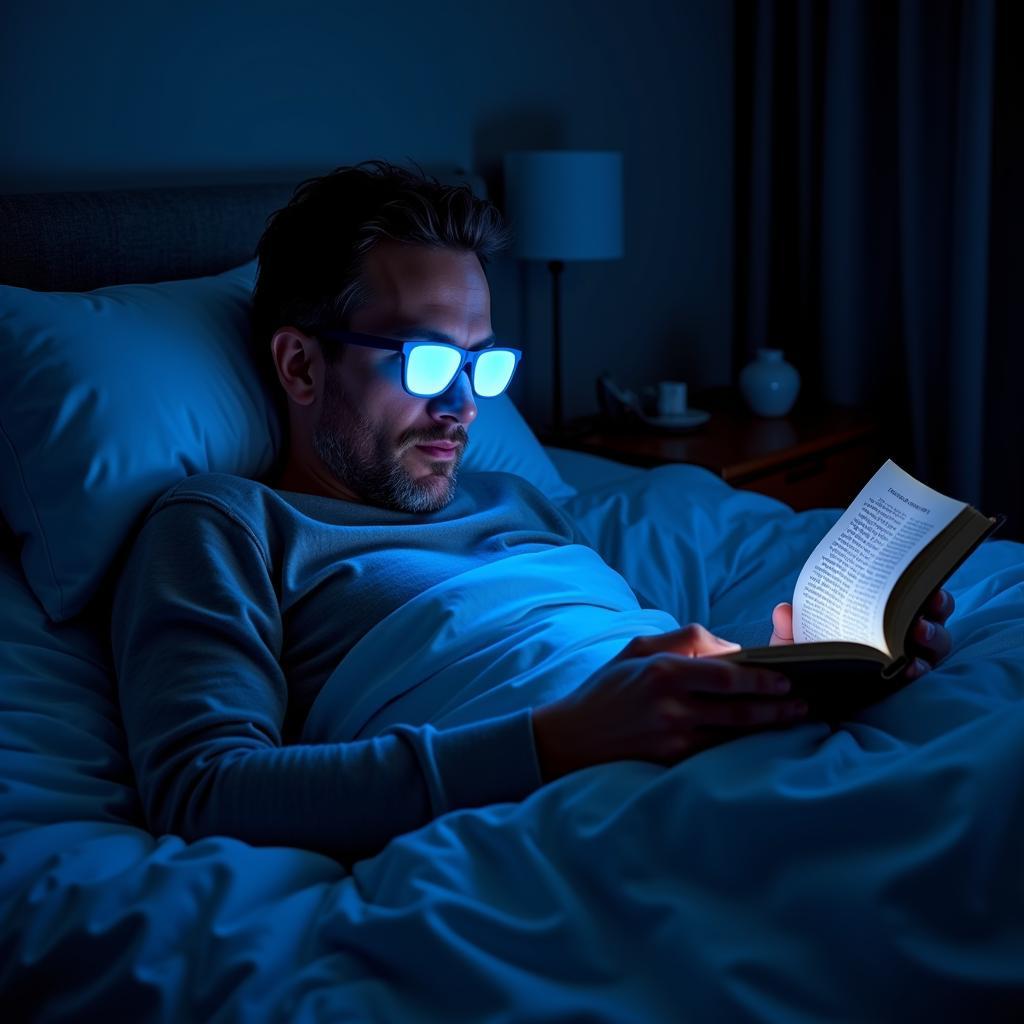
366,462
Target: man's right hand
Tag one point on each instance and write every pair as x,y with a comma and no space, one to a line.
661,699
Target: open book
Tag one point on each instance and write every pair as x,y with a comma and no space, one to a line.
864,584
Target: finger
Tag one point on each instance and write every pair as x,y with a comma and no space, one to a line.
744,713
929,640
939,606
719,678
917,668
782,623
692,640
718,644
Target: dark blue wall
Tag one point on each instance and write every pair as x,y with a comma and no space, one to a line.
123,93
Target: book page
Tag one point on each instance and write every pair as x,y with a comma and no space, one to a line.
843,587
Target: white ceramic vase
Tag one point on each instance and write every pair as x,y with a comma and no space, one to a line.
769,384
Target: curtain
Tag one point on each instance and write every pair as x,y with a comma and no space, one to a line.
877,207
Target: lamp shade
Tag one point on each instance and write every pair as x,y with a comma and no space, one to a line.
564,204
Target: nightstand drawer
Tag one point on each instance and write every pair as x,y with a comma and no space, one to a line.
823,480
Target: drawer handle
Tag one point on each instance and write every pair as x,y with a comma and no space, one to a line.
804,472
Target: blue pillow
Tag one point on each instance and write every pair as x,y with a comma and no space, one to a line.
107,399
110,397
500,439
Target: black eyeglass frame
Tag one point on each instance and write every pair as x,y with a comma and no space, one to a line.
406,346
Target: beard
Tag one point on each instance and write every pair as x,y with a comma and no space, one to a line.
363,457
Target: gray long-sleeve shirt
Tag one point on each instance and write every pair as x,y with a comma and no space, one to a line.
235,604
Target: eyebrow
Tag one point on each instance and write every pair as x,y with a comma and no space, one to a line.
429,334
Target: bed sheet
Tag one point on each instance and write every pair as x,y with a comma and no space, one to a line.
870,872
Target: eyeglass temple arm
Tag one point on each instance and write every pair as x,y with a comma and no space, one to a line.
363,340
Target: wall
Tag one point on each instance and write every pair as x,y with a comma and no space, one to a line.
120,93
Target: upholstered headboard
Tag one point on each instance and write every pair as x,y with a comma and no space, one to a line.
77,241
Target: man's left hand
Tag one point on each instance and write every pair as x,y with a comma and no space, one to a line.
928,641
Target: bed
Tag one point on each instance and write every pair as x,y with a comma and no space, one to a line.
870,871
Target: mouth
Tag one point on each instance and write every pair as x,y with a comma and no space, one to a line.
439,450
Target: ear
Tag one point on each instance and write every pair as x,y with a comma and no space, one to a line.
299,364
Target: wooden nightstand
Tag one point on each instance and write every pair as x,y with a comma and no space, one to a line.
817,456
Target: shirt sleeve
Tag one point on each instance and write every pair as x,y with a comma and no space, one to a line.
196,637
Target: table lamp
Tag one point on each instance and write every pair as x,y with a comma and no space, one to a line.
563,205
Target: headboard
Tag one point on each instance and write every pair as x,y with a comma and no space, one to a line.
77,241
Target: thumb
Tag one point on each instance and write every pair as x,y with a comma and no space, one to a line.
782,622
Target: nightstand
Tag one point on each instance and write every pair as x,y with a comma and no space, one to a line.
817,456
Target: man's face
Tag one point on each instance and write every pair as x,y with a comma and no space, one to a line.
369,427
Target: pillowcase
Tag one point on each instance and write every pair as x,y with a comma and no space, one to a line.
108,398
501,440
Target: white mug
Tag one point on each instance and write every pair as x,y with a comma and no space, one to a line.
671,398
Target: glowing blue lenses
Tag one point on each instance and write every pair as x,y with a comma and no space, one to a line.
430,370
492,373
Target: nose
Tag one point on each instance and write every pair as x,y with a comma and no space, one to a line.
457,403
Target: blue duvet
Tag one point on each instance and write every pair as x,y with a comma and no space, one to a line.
870,872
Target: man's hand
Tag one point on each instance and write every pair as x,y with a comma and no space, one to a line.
928,641
661,699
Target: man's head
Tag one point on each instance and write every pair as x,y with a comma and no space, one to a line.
381,252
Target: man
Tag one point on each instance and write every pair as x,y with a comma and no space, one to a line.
371,317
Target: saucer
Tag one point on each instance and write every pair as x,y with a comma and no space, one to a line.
684,421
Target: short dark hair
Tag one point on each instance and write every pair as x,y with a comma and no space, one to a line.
313,251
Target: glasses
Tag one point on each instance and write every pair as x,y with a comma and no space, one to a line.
430,367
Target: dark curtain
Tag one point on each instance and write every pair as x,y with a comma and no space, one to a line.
878,201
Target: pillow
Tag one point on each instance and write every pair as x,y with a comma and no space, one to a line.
108,398
501,440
